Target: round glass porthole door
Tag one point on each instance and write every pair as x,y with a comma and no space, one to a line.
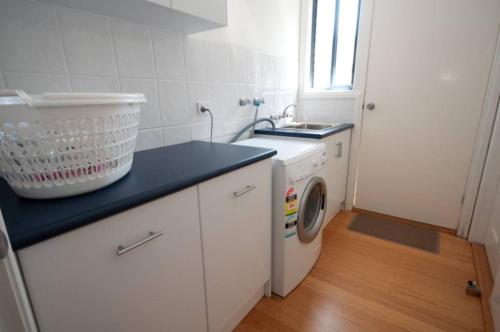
311,210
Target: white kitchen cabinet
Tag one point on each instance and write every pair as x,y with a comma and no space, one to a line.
235,212
78,282
338,147
213,10
15,311
182,16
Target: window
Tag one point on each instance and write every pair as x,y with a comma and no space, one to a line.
334,33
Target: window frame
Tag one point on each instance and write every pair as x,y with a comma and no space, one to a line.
307,54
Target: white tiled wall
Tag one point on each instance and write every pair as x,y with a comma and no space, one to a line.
48,48
327,110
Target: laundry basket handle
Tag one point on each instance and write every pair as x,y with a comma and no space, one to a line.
16,93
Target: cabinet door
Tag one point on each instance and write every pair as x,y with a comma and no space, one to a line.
235,214
338,163
78,282
15,309
213,10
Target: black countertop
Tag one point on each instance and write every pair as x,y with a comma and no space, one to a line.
155,173
316,134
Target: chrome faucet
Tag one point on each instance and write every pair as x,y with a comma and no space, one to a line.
283,114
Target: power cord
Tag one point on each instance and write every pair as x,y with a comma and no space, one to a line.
204,109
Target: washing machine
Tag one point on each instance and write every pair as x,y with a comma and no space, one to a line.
299,205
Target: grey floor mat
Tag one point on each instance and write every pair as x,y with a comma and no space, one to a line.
410,235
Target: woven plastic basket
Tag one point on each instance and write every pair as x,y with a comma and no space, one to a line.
63,144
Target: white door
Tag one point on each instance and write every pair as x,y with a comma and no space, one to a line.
15,311
427,75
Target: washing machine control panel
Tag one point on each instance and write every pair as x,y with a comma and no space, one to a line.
307,167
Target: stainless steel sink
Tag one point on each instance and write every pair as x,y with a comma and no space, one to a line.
308,126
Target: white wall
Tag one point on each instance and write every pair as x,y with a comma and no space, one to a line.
327,110
271,26
49,48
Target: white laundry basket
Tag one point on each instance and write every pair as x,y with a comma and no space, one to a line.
62,144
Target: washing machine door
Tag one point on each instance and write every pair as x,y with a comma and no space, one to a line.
311,210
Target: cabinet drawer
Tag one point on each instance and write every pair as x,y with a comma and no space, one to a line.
78,282
236,232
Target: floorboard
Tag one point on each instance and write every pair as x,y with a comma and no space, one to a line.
362,283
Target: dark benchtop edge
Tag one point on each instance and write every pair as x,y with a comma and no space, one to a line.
60,226
315,134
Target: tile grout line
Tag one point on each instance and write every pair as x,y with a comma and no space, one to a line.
55,12
186,86
115,54
183,38
157,87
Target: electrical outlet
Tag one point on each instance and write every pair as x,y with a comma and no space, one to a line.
199,104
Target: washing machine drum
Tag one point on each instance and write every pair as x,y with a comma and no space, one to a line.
311,210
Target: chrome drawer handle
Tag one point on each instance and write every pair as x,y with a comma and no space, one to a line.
244,191
151,236
339,150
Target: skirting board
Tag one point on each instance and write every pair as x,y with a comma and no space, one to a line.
485,282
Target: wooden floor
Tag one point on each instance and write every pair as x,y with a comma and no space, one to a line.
361,283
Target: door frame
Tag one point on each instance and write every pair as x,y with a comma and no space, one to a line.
471,224
360,75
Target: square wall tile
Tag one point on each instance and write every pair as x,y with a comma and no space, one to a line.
254,68
291,98
292,74
347,117
222,100
87,43
200,131
219,62
280,103
2,81
235,110
37,83
254,91
223,139
176,135
173,103
269,106
150,111
238,64
197,59
29,38
169,55
280,74
198,92
94,84
148,139
268,71
134,50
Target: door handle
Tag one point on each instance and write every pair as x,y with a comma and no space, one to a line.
370,106
124,249
339,150
4,245
244,191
